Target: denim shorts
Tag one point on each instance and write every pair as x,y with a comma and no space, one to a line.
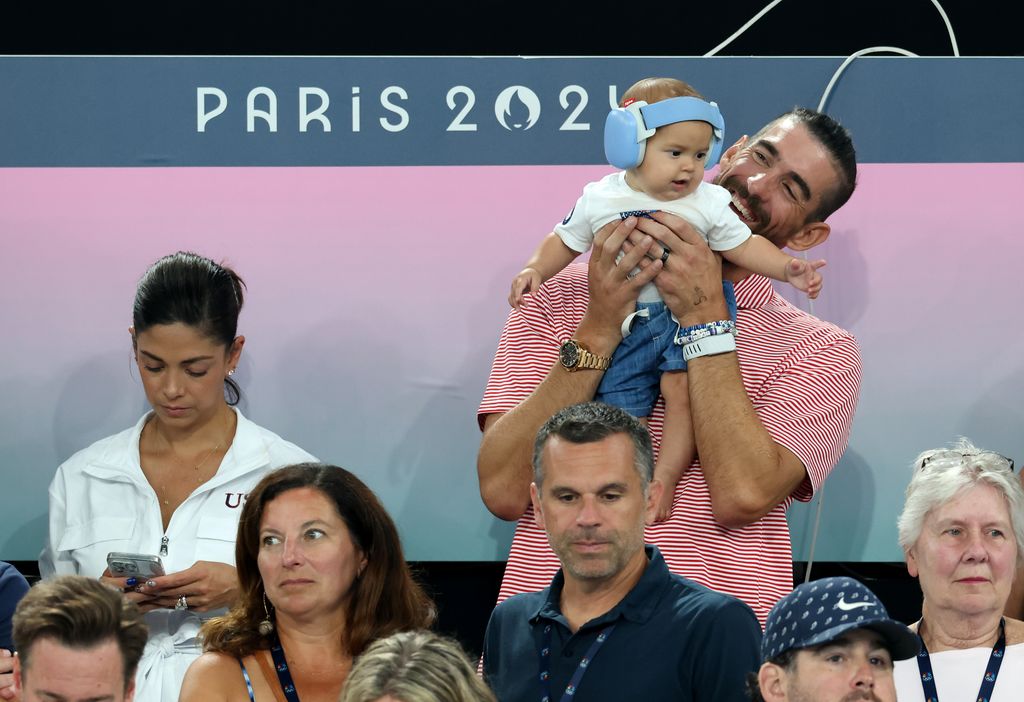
633,381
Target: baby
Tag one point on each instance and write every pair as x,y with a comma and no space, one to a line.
664,135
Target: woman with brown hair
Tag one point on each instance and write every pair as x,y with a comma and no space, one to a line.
322,575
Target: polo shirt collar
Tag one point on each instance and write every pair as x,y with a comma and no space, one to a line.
753,291
638,605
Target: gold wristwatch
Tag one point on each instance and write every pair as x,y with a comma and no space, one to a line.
573,356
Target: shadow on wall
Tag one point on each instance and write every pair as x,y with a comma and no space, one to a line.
444,434
847,513
331,380
844,295
101,396
999,406
50,419
376,404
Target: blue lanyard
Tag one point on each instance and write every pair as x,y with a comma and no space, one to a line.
284,676
574,682
988,683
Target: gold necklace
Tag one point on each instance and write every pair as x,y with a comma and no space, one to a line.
196,467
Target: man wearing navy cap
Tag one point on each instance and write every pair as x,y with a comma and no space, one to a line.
830,640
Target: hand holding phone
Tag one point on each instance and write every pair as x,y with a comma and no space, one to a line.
139,565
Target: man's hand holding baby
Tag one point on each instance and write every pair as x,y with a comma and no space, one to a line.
690,281
614,287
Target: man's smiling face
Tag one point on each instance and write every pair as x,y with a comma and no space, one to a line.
778,179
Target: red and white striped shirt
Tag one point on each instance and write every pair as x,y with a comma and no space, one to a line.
802,376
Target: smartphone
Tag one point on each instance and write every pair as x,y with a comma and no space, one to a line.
123,565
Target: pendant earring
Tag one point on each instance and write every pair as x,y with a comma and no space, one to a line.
266,627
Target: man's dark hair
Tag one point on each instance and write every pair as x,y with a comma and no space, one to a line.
79,612
786,659
837,141
589,422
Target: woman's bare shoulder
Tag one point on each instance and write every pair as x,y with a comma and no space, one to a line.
214,677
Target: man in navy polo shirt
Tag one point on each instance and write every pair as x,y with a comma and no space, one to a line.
614,624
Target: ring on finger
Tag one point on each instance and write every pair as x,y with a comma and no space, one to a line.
664,255
182,603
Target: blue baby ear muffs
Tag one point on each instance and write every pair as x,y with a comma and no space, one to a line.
627,129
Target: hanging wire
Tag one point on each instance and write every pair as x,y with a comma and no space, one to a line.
949,27
853,57
764,10
744,28
821,108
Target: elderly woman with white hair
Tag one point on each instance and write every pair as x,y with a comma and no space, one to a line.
962,532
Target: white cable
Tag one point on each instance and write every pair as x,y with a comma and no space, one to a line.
821,108
850,59
814,533
769,6
744,28
949,27
810,303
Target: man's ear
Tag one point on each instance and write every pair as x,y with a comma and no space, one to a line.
129,691
538,513
19,684
809,236
729,154
771,680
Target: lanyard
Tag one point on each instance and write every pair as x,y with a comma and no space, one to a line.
574,682
988,683
284,676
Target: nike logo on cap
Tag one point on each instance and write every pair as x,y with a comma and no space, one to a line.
847,606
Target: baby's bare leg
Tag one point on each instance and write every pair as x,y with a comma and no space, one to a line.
678,446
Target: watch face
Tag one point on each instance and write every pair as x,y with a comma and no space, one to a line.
569,354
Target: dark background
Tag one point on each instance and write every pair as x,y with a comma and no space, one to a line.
465,592
492,27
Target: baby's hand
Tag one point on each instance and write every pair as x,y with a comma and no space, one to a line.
527,281
803,275
663,509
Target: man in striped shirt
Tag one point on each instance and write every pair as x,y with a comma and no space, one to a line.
771,418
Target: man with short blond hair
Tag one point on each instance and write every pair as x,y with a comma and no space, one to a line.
78,641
